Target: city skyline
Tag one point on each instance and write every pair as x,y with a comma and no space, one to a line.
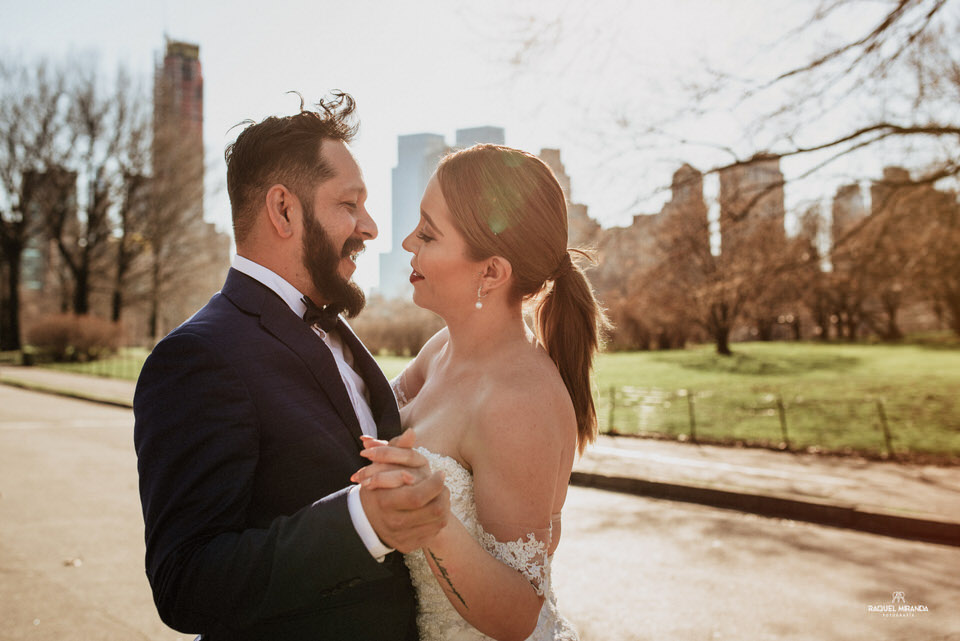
417,158
428,66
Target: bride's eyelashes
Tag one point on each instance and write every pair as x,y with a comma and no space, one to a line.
424,237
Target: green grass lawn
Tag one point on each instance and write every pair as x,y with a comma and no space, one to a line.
392,365
832,395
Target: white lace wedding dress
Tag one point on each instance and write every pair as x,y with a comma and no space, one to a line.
436,618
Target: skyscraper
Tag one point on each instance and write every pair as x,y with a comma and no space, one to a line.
847,210
189,256
686,211
178,110
751,203
417,158
581,229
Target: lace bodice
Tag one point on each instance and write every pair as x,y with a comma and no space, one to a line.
437,618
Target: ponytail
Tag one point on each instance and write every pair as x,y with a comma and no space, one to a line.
570,323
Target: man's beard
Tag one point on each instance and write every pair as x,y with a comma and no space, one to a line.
322,261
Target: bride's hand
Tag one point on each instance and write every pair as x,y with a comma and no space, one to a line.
406,439
411,503
389,468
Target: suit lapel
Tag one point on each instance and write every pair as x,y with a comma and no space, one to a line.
277,318
383,404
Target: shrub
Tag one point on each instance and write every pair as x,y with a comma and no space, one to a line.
67,337
395,326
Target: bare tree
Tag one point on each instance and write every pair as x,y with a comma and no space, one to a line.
98,123
87,168
32,126
810,279
134,208
891,87
929,220
896,83
174,228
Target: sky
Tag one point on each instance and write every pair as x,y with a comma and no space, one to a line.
428,66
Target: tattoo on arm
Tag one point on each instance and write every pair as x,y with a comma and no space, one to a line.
446,577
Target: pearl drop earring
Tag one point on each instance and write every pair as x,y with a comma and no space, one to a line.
480,294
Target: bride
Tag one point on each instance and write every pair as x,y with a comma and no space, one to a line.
501,409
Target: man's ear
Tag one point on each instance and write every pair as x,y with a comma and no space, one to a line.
496,273
281,203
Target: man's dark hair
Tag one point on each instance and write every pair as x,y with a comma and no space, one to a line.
284,150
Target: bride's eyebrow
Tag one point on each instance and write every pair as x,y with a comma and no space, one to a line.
430,222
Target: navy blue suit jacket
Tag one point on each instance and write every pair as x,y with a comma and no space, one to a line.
246,440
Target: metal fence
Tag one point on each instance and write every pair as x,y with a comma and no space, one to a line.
864,424
125,364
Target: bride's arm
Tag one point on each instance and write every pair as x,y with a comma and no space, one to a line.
408,383
515,450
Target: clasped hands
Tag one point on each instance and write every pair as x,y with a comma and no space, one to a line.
405,502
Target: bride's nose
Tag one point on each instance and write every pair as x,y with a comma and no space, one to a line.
409,242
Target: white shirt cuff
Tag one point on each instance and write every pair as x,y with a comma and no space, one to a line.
360,522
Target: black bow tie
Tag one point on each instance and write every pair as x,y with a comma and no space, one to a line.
325,318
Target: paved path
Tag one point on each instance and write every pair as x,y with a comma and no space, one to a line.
628,568
97,388
71,532
637,569
919,502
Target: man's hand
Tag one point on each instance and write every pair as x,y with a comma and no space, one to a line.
405,503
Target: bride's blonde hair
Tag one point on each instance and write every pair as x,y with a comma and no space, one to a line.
508,203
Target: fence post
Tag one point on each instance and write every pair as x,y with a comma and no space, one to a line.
783,420
613,408
693,418
881,410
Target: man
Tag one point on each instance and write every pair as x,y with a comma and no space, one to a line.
248,418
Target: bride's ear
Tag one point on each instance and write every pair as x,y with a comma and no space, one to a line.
496,273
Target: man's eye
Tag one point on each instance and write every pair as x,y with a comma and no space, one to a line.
349,204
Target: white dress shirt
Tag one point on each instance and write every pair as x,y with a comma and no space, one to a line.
356,388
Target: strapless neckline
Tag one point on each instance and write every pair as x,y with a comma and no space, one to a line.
461,467
428,453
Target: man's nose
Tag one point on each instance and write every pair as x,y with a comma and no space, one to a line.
366,226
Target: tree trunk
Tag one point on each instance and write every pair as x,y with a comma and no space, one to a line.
953,312
155,300
822,320
722,337
10,337
81,293
765,329
118,283
117,306
849,323
893,331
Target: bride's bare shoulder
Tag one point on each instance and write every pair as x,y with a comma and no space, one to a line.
521,436
527,403
420,366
